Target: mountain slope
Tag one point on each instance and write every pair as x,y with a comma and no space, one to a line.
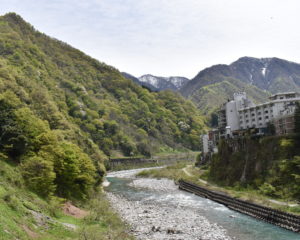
271,74
68,112
137,81
258,77
163,83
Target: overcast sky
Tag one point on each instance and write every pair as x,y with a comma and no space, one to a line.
168,37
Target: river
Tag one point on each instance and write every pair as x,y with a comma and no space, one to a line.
157,209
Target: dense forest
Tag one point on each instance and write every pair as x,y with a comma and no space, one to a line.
63,113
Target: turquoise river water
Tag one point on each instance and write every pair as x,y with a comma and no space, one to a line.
239,226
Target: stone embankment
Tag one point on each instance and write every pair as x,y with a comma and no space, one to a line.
273,216
160,220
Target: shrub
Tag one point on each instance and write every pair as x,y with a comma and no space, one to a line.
39,175
267,189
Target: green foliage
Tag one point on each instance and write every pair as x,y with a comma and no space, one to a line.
175,171
90,100
63,113
270,164
267,189
39,175
211,96
74,170
21,209
287,179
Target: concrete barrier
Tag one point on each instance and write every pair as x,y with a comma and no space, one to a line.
273,216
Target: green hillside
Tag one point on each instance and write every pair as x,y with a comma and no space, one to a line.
258,77
210,97
87,102
62,115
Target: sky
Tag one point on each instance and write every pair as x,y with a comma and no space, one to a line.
168,37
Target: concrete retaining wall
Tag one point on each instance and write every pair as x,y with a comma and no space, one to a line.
273,216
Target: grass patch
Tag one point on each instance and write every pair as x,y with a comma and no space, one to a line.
17,204
176,171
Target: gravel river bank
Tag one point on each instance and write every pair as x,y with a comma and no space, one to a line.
150,220
156,209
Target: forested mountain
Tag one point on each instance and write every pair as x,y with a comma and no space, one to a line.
258,77
63,113
163,83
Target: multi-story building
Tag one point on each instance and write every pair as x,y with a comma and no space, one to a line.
241,113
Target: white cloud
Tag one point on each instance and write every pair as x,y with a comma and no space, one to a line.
168,37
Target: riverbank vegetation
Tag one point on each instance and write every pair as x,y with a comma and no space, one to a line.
25,215
176,171
270,165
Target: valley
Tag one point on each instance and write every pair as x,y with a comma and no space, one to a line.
69,121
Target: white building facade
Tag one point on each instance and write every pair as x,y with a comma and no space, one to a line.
241,113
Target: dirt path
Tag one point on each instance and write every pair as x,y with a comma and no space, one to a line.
185,170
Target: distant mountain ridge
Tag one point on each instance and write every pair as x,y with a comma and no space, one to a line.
137,81
258,77
155,83
162,83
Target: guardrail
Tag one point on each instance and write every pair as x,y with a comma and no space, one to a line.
273,216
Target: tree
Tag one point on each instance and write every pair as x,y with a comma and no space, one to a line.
75,172
12,139
39,175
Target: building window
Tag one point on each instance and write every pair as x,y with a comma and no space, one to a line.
259,118
253,120
258,113
247,121
253,114
266,117
266,111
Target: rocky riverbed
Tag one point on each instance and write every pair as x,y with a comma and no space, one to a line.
155,221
